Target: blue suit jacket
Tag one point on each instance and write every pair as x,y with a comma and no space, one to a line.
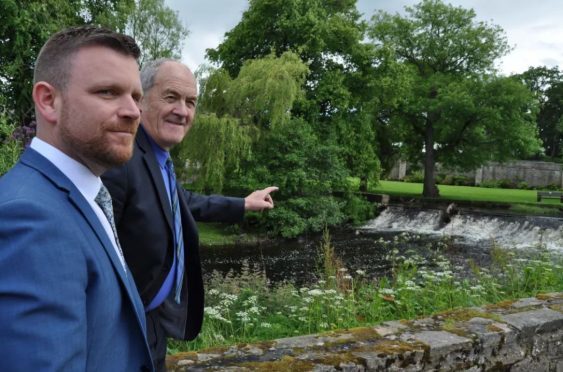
66,303
144,224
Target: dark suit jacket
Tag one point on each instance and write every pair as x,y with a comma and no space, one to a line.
145,229
66,303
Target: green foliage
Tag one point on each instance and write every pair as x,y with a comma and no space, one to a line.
265,89
298,215
317,131
214,149
416,177
317,30
358,210
25,27
547,86
291,157
262,94
157,29
457,111
453,179
10,149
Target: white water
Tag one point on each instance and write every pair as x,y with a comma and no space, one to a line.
506,231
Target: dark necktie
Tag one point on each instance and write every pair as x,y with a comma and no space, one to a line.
178,235
103,199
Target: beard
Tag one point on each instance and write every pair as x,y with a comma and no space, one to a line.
97,148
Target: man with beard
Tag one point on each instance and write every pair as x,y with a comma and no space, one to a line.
156,217
67,299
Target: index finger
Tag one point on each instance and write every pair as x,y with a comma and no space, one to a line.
270,189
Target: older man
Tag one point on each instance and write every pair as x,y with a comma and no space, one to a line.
156,217
67,298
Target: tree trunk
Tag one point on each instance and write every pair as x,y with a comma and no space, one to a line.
363,184
429,189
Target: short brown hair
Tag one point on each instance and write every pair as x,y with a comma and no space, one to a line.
54,61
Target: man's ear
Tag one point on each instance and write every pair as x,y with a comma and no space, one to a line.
46,99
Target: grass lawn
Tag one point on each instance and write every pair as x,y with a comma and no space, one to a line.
214,234
464,193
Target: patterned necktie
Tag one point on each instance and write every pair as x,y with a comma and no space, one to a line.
103,199
178,235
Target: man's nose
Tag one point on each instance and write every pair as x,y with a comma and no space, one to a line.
181,109
129,108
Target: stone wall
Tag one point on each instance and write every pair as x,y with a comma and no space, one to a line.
524,335
534,173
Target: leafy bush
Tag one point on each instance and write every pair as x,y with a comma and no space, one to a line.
10,148
415,177
358,210
523,185
552,187
295,216
456,180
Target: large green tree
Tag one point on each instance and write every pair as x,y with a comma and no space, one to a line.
284,150
25,27
457,112
547,86
157,29
341,88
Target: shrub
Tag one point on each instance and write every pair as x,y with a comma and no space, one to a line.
10,148
358,210
523,185
415,177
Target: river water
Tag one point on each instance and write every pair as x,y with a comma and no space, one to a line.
467,237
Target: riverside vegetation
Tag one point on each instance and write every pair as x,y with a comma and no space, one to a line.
247,308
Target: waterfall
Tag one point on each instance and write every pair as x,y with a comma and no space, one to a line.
473,228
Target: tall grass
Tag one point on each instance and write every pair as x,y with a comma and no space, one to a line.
247,308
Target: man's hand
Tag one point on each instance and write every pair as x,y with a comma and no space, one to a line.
260,199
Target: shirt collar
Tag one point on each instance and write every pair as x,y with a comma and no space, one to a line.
160,154
87,182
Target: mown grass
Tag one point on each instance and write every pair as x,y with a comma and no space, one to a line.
215,234
461,192
517,200
246,308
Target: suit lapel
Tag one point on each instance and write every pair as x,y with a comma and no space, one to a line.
51,172
156,175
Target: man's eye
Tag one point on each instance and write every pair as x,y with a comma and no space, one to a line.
106,92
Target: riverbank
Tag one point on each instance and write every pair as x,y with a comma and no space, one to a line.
246,306
216,234
526,334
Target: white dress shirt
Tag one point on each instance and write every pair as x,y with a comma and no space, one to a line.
85,181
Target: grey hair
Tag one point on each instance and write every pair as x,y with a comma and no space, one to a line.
149,71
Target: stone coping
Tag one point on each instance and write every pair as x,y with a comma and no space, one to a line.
522,335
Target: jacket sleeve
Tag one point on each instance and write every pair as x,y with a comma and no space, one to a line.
214,208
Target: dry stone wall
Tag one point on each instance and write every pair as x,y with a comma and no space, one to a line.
524,335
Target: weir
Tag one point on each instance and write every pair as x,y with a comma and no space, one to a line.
508,231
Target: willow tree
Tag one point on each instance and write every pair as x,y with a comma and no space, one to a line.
211,152
457,112
234,114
